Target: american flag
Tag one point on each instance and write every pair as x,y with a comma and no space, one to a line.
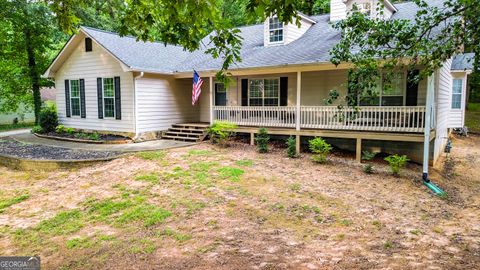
197,87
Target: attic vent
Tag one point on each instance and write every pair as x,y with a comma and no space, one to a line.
88,44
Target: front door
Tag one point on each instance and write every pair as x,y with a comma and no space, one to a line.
220,95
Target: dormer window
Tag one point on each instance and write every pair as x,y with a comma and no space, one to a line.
365,8
275,28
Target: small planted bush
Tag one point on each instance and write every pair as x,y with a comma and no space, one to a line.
60,129
396,162
320,149
291,147
221,131
262,140
48,118
368,168
367,155
37,129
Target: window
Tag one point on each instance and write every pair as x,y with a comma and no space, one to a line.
75,97
275,28
457,94
389,92
264,92
88,44
108,97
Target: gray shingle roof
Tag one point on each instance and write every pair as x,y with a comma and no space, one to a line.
312,47
463,62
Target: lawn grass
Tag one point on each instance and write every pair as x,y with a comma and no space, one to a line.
472,117
5,203
8,127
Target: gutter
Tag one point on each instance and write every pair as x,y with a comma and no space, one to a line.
135,100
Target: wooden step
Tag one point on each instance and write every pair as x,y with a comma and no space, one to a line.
191,139
183,134
187,130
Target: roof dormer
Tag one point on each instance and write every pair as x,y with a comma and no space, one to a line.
339,9
278,33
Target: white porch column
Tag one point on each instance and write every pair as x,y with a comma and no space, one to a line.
299,90
210,85
429,108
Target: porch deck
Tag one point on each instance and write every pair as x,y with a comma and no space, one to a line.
407,119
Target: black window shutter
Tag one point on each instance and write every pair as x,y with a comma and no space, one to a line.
88,44
83,109
100,98
412,88
284,91
67,98
244,92
118,103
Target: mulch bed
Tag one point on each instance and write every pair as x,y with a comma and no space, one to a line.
104,138
12,148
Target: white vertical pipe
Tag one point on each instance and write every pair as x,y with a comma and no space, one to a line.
428,120
211,98
299,90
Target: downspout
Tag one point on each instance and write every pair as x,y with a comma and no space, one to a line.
135,98
429,115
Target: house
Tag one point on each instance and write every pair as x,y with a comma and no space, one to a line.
116,84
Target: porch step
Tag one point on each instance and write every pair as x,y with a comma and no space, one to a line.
191,132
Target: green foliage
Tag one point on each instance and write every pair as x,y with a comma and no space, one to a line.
8,127
262,140
367,168
232,174
69,130
60,129
5,203
396,162
244,162
291,147
37,129
367,155
152,155
221,131
48,118
149,214
63,223
320,149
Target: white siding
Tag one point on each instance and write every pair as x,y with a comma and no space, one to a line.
163,101
443,105
204,102
338,10
293,32
89,66
317,85
456,118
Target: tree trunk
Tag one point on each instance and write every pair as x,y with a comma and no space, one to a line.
33,73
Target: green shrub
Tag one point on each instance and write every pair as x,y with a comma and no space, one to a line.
291,147
368,168
320,149
221,131
48,118
262,140
94,136
69,130
37,129
367,155
396,162
60,129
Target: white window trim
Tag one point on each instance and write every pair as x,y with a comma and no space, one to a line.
270,30
263,92
79,99
103,98
461,94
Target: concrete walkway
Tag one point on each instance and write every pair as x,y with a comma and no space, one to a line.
129,147
14,132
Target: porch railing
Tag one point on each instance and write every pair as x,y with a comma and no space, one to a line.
271,116
372,118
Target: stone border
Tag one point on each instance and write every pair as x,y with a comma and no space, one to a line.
81,140
17,163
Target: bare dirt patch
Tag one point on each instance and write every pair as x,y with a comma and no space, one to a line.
205,207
